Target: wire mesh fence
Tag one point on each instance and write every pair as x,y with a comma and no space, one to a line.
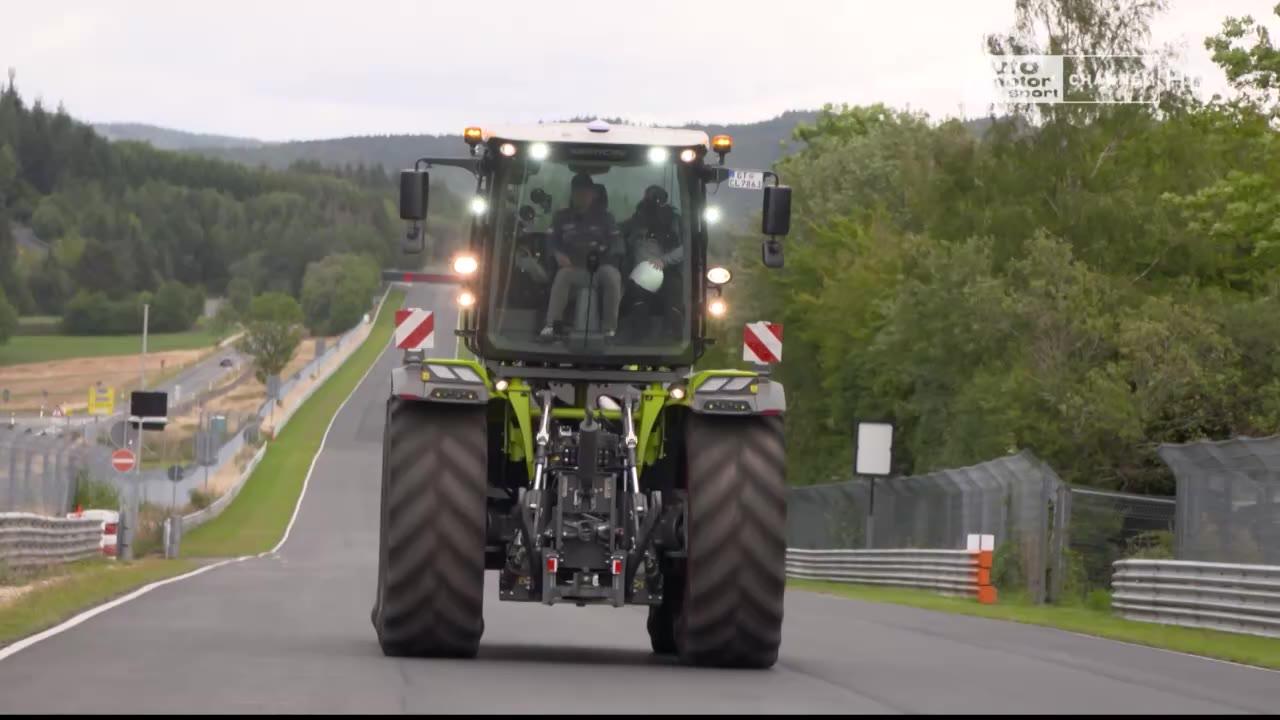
37,473
1108,526
1228,507
42,465
1018,498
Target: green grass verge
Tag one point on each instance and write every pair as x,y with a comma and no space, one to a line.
1246,649
255,521
80,585
44,348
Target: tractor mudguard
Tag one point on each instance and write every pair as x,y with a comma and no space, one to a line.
444,380
734,392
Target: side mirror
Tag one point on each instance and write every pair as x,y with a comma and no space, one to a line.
415,240
771,254
777,211
413,195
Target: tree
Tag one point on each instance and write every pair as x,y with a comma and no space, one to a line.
336,292
272,333
240,295
175,308
8,319
1252,69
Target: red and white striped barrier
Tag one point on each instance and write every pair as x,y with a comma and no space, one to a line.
415,329
110,527
762,343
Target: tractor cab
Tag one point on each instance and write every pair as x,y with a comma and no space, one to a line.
589,241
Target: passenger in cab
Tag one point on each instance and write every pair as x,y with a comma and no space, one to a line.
589,251
657,251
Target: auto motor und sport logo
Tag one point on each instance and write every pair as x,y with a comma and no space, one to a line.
1086,79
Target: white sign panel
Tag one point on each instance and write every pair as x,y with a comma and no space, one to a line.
875,449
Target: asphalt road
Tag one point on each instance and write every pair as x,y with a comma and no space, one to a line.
291,633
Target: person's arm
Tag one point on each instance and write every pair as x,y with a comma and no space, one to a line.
676,255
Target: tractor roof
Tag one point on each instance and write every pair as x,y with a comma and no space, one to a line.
599,132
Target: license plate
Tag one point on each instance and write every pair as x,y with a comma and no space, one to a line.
746,180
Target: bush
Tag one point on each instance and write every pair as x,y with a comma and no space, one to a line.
93,313
1150,545
1007,573
94,494
201,499
1099,600
176,307
1075,583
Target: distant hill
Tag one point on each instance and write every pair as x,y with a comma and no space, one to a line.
166,139
756,145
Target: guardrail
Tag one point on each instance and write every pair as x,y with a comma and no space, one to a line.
950,572
30,539
1220,596
200,517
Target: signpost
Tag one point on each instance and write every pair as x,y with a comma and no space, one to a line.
175,476
873,457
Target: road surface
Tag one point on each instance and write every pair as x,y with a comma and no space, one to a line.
291,633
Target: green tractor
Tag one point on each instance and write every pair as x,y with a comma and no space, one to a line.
571,446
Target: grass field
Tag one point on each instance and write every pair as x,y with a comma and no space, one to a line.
76,586
255,521
1246,649
43,348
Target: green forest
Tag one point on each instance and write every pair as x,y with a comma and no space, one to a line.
122,224
1085,281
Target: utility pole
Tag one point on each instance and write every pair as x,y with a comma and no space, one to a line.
146,316
131,524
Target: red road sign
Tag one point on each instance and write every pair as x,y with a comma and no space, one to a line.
122,460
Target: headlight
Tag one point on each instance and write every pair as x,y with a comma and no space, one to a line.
507,149
539,151
719,276
711,215
501,385
479,206
465,264
688,155
658,155
466,299
718,308
677,393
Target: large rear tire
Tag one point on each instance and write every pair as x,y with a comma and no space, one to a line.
431,539
735,575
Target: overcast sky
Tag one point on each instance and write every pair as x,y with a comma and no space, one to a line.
278,70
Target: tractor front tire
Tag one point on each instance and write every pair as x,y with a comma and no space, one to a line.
431,538
735,574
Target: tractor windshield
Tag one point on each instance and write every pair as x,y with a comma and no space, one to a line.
591,255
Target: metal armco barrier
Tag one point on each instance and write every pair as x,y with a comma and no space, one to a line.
1220,596
951,572
28,539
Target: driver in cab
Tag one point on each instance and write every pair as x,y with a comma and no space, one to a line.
588,250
